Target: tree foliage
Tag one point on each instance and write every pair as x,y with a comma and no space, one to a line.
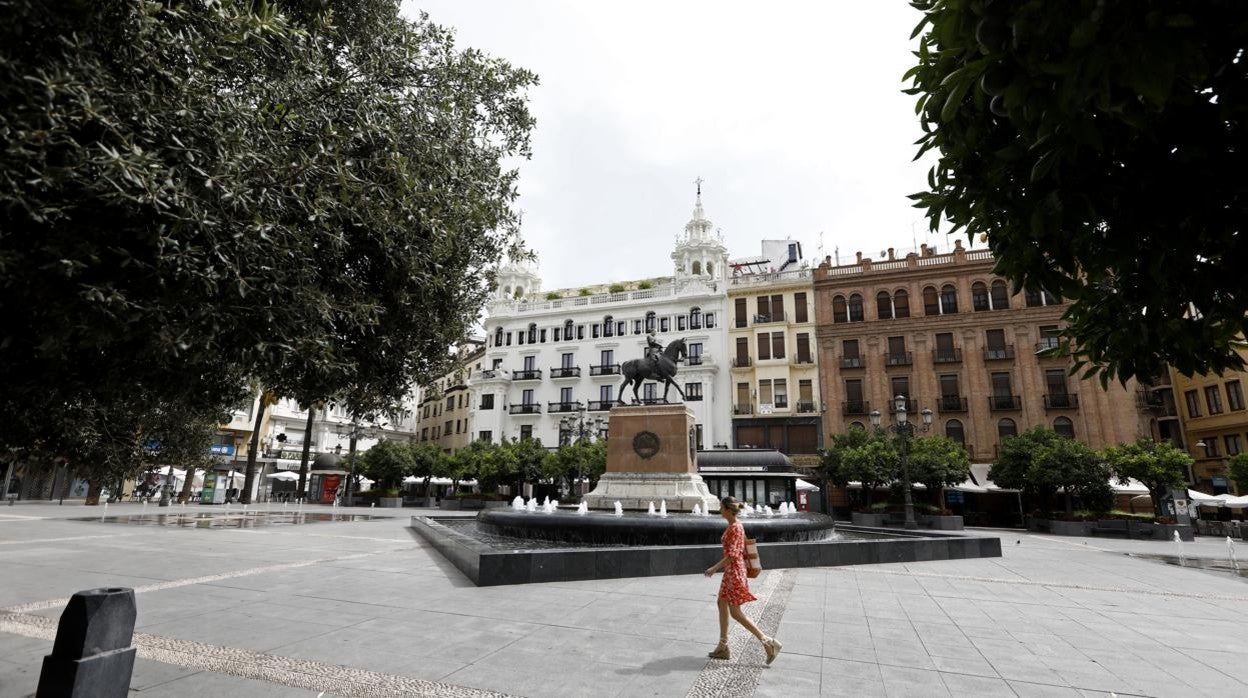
193,194
1040,462
583,458
1099,148
1239,472
938,461
858,456
388,462
1158,465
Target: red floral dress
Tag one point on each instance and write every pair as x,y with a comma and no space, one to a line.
735,586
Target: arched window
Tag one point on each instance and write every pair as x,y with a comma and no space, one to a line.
532,333
955,432
498,336
1006,427
1000,295
979,296
1064,427
901,304
506,290
931,301
857,425
650,321
710,269
697,268
567,329
839,314
948,299
855,308
884,305
608,326
695,318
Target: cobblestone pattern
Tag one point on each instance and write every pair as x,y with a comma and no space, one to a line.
738,677
296,673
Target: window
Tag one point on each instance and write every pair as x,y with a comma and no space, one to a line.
1038,298
949,387
695,319
781,387
1001,387
979,297
424,434
558,335
680,323
803,348
740,312
884,305
839,312
636,326
530,363
799,308
743,351
1055,381
665,324
777,345
849,348
764,346
765,395
945,350
853,396
1193,403
526,397
543,337
1006,427
709,319
1064,427
948,299
647,392
446,428
697,428
855,308
486,436
931,301
508,339
897,351
1234,396
805,391
1050,337
596,330
487,401
1000,295
532,333
1232,444
526,432
693,391
498,337
608,357
580,332
901,304
450,403
995,339
743,398
955,432
621,328
605,393
1211,447
565,360
900,385
695,353
567,330
1213,398
608,326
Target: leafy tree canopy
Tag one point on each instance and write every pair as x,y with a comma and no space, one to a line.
1239,471
1040,462
1158,465
938,461
388,463
1099,149
872,460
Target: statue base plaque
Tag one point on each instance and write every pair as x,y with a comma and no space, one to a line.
652,458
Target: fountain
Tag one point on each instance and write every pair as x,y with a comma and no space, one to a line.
582,509
517,504
651,511
531,505
697,509
1230,551
663,508
619,509
767,511
1179,542
546,507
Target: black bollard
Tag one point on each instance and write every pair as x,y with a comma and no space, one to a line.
92,656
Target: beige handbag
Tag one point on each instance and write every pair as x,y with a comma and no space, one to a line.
753,565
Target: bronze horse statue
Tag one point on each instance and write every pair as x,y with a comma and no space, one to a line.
662,369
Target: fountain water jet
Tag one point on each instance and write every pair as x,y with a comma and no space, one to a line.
619,509
663,508
697,509
1230,551
651,511
582,509
1178,540
517,504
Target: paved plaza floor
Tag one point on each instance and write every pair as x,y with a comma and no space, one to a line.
365,608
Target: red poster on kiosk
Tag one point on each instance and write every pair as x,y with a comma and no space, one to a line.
803,504
329,487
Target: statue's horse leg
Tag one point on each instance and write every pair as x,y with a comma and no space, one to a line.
623,386
673,384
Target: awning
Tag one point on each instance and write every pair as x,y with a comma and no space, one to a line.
803,486
1133,486
1225,501
285,476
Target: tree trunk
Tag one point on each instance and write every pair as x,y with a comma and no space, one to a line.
185,495
346,500
1070,503
94,487
249,478
307,444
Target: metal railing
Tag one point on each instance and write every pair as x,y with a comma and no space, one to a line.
912,407
534,374
946,356
904,358
605,370
742,409
1061,401
998,403
769,318
600,405
531,408
806,407
566,372
741,362
852,362
849,407
553,407
1004,353
951,403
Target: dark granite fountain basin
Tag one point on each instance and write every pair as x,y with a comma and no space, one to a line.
634,528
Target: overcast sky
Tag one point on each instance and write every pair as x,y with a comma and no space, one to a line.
791,112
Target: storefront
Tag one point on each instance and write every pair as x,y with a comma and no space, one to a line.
754,475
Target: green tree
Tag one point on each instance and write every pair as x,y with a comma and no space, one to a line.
1093,147
428,462
1159,466
831,459
388,463
938,462
1239,472
870,459
1041,462
197,194
530,459
583,458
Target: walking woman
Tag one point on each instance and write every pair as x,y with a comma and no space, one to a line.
734,589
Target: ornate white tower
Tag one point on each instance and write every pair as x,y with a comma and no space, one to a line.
517,279
700,254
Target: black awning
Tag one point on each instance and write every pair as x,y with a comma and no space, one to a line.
743,460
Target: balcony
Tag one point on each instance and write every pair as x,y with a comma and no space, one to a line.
742,409
851,407
803,360
532,374
946,356
1005,353
741,362
852,362
740,322
806,408
904,358
693,398
767,319
532,408
566,372
912,407
1047,344
1061,401
600,405
951,403
1004,403
605,370
1157,400
556,407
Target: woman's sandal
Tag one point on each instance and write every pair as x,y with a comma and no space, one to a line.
773,647
720,652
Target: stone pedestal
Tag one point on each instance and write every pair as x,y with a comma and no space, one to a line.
651,457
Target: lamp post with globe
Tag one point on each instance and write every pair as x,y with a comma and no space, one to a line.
574,429
905,431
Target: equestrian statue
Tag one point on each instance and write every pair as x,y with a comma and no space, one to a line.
660,364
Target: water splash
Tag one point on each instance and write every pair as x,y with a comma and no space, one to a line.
1230,551
582,509
767,511
697,509
663,508
531,505
518,503
1178,541
619,509
547,508
651,511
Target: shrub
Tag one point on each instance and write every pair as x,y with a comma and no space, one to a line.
644,285
616,288
586,292
552,296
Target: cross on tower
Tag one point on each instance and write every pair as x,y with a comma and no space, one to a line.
698,182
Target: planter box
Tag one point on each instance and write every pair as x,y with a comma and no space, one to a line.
1167,531
941,523
449,504
1071,528
423,502
390,502
496,504
1146,530
467,503
873,520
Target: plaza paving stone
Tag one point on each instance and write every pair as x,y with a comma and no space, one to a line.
368,608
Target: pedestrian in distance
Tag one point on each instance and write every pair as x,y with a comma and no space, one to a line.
734,587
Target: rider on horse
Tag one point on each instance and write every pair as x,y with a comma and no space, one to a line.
653,349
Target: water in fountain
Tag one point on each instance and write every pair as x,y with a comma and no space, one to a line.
547,508
518,503
697,509
1230,551
651,511
1178,540
546,501
554,504
619,509
582,509
767,510
531,506
663,508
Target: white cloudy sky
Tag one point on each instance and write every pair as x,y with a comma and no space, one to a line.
791,111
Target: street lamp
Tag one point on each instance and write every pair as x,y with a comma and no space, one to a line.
905,430
574,429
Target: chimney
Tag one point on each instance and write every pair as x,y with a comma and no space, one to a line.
890,254
859,254
923,249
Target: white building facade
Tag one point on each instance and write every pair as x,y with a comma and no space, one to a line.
551,357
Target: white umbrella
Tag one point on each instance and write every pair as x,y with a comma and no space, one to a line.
285,476
803,486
